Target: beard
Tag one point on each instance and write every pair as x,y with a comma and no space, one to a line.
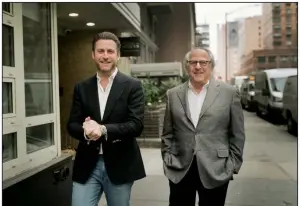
106,70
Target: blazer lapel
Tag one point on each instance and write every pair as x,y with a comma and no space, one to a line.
94,98
183,96
114,94
212,93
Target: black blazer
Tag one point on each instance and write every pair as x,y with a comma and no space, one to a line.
123,118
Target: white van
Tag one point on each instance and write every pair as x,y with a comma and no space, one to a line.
290,104
269,86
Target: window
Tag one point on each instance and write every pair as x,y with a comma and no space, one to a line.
38,80
39,137
261,59
8,46
276,19
8,97
37,60
295,58
288,11
288,17
283,58
278,84
272,59
7,8
9,147
28,94
277,43
288,43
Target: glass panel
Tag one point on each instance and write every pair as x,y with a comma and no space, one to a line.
278,84
39,137
272,59
261,59
9,147
7,98
8,46
6,7
37,58
284,58
38,98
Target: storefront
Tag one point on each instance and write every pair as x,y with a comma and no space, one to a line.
31,134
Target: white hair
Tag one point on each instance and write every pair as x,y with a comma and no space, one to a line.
210,54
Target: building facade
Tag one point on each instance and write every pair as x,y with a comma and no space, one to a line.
269,59
203,36
280,22
279,39
251,37
47,49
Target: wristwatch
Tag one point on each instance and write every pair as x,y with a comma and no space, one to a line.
103,131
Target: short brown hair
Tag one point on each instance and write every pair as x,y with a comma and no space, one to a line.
108,36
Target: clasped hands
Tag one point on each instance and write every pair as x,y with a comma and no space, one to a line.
92,129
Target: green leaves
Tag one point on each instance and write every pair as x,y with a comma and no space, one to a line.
155,90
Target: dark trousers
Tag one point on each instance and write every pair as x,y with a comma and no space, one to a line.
184,193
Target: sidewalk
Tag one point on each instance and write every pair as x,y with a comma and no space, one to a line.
253,186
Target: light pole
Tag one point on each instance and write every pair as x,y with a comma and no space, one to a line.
226,35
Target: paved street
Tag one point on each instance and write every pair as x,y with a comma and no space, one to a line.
268,176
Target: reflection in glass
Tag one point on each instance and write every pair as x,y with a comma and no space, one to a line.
278,84
37,58
37,40
39,137
8,46
7,98
9,147
38,98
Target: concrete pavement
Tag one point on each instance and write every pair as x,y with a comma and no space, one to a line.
268,176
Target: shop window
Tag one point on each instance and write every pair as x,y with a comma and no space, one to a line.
39,137
9,147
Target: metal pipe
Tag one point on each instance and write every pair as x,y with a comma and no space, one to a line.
226,47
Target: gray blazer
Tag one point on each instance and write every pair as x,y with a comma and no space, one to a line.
217,142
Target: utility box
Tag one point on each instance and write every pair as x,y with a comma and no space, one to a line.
47,185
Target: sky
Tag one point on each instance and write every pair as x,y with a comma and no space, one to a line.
214,14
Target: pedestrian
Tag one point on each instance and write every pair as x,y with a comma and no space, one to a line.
106,116
203,135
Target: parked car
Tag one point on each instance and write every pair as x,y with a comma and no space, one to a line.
269,85
247,95
290,104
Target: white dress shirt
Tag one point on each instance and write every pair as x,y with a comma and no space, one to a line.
103,95
195,101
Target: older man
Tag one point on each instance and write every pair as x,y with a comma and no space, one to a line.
203,135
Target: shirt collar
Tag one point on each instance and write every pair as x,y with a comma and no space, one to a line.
112,76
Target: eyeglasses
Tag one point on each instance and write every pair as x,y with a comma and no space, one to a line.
202,63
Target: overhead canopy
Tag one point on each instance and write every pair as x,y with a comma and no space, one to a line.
169,69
